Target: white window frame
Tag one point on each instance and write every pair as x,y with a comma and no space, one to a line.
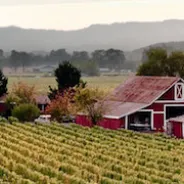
176,91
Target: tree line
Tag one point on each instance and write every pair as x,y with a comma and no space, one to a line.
158,62
87,62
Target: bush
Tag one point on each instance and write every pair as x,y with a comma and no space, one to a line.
12,119
3,120
26,112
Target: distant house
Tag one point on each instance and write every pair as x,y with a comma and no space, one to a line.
42,101
45,69
143,103
104,70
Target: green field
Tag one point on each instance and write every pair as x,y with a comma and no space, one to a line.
41,83
55,154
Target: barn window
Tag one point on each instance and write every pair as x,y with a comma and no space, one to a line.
179,91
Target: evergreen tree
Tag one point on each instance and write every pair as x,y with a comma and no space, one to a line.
67,76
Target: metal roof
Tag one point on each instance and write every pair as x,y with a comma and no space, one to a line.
137,93
178,119
141,89
118,109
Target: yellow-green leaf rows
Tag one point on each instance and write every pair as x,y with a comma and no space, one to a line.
76,155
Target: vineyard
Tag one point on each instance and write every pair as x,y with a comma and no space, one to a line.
77,155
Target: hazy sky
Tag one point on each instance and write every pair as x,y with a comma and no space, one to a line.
75,14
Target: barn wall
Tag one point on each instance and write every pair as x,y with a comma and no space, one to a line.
156,107
177,129
169,95
112,123
105,123
83,120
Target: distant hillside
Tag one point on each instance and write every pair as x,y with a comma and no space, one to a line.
126,36
136,55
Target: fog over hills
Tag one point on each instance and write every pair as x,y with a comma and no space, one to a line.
126,36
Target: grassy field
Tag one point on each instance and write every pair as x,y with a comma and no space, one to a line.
55,154
42,83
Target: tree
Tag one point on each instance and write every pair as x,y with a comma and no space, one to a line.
80,56
60,106
115,58
24,59
21,93
159,63
14,60
91,102
99,56
111,58
56,56
66,76
89,68
3,84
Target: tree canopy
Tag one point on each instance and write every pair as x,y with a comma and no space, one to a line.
90,102
160,63
67,76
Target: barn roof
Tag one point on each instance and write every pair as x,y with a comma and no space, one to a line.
136,93
141,89
116,109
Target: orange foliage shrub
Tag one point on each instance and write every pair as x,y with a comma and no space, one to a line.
60,106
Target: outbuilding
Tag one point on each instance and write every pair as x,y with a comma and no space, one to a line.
142,103
176,127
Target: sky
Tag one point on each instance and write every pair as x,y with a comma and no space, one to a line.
77,14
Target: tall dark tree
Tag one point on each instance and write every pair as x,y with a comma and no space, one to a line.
24,59
14,60
99,56
58,55
115,58
66,76
3,84
111,58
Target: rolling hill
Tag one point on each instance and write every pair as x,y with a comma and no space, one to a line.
126,36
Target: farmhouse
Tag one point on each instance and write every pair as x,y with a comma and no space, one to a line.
142,103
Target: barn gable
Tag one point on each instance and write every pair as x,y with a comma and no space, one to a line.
175,92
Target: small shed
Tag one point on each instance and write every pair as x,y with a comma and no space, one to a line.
176,126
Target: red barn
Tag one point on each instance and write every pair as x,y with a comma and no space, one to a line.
142,103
